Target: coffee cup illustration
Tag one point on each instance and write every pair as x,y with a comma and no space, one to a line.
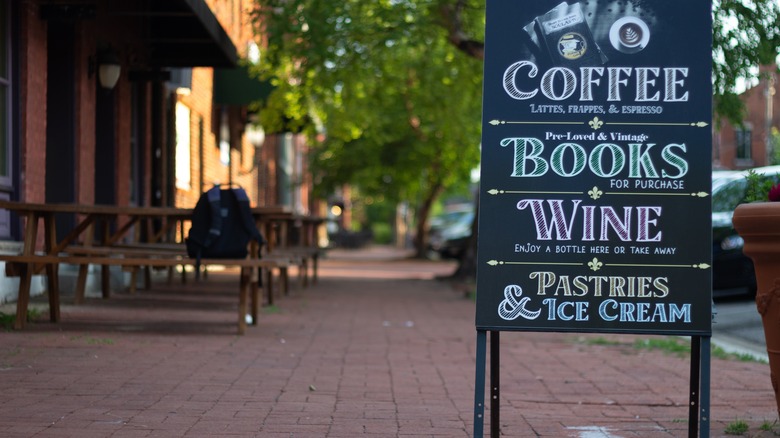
572,46
629,35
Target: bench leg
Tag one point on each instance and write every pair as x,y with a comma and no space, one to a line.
284,277
53,284
81,284
24,296
133,280
243,298
25,279
147,277
305,272
269,286
105,279
314,275
52,277
257,275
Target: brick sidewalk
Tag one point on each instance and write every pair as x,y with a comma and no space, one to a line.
376,349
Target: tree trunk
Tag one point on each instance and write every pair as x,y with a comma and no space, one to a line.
423,214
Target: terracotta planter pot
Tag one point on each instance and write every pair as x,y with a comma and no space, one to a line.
759,226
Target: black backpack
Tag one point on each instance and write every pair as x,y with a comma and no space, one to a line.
222,226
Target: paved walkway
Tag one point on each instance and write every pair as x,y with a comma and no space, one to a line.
375,349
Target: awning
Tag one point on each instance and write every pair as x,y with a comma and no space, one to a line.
174,33
185,33
237,86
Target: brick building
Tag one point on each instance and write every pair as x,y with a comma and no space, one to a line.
170,126
753,143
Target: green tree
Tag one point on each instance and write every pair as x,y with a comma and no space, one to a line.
396,86
745,35
398,104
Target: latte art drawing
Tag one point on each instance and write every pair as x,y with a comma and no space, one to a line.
629,35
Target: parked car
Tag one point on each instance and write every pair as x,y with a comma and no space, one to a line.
732,270
450,231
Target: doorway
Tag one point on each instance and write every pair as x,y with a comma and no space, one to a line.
60,121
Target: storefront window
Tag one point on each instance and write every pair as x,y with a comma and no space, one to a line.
183,158
744,140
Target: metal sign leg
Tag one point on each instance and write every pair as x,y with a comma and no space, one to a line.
704,404
495,383
479,385
693,406
699,409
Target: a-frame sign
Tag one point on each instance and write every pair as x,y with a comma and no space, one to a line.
595,209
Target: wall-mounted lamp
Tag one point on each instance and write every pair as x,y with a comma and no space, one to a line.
108,67
255,134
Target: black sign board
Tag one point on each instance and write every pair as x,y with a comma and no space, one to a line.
595,209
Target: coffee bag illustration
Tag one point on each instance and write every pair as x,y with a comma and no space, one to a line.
563,33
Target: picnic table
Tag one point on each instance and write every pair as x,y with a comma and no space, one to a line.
116,247
295,236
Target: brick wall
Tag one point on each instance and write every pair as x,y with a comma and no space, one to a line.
85,113
234,15
199,103
32,102
756,109
234,18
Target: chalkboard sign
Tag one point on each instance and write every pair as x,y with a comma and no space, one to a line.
595,209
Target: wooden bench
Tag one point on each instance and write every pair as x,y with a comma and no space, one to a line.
302,257
166,251
24,265
279,227
117,248
117,221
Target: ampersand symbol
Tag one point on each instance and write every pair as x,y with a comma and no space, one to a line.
510,308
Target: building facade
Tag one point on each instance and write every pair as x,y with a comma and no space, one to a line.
755,142
160,135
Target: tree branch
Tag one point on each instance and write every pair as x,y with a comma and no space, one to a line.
451,16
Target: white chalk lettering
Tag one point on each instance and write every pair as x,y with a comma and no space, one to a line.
559,225
639,158
612,310
560,83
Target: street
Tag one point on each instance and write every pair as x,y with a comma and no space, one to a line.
737,327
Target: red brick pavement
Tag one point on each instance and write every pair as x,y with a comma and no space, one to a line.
375,349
